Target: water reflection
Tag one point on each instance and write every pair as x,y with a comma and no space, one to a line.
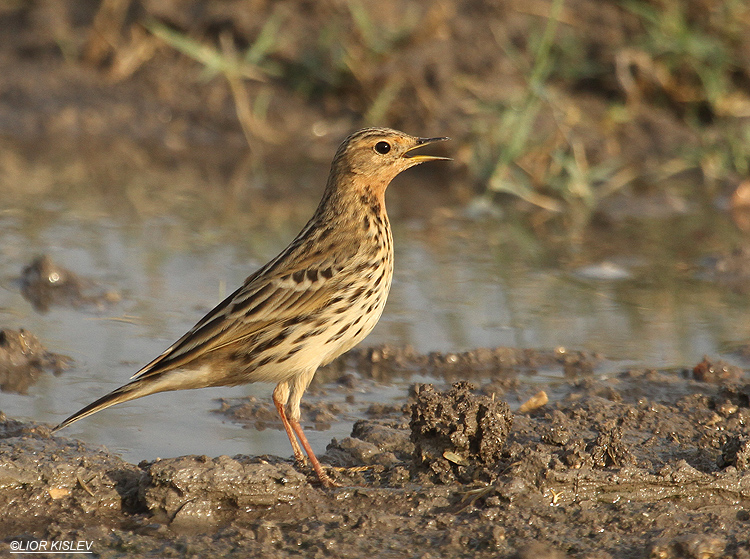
458,285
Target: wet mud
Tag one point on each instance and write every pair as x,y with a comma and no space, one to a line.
23,359
645,464
45,283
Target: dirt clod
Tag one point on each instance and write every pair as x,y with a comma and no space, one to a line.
716,371
690,546
44,283
736,452
456,431
200,489
609,450
23,359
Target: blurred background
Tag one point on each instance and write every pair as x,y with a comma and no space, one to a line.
162,150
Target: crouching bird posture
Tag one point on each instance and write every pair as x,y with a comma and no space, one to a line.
317,299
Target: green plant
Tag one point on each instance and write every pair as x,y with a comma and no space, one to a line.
254,65
356,53
703,74
698,62
550,170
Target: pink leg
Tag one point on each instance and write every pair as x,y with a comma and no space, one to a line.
280,396
322,476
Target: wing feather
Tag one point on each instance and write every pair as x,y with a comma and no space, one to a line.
263,300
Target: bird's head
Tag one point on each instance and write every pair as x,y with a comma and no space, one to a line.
376,155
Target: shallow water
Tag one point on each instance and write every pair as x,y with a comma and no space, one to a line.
459,284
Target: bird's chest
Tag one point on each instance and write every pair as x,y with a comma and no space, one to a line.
365,292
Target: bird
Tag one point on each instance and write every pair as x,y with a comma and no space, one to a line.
313,302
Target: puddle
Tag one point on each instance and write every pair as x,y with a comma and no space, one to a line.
458,285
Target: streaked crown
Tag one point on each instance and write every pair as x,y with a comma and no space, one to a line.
380,154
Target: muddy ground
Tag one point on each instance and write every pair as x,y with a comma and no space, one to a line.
646,464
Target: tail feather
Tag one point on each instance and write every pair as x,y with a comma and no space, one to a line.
130,391
171,379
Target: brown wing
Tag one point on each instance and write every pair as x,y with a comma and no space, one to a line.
266,298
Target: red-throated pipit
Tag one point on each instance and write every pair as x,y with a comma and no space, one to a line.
317,299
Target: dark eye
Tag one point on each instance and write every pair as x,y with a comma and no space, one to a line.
382,147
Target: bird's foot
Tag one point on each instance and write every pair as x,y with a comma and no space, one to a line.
326,481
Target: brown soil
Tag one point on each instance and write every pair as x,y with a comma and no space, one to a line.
23,359
647,464
44,283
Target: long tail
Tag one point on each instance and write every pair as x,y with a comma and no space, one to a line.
130,391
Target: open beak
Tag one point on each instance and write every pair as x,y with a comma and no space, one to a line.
421,142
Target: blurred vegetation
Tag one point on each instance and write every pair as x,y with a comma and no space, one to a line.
560,103
698,62
509,154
